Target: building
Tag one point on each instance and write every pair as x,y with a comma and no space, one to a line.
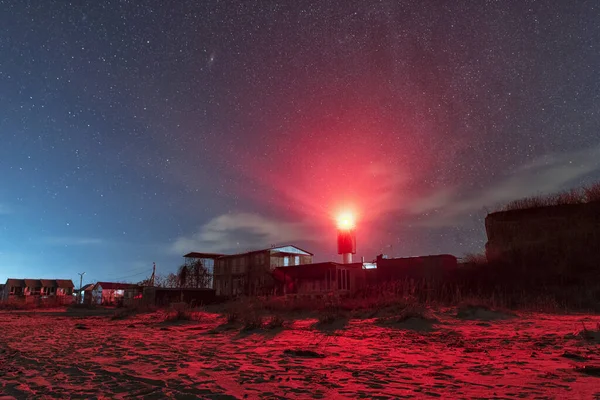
86,294
250,273
207,261
431,268
319,279
114,293
32,290
165,296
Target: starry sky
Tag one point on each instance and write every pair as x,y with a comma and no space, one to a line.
132,132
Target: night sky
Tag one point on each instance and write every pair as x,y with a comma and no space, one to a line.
132,132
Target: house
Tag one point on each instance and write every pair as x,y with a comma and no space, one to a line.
32,289
85,294
13,288
114,293
250,273
319,279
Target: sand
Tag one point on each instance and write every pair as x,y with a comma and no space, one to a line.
55,355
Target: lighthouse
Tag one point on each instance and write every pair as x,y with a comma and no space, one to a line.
346,236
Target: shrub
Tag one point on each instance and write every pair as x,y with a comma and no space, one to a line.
275,322
252,322
180,315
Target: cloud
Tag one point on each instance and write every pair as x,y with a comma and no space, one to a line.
239,232
73,241
547,174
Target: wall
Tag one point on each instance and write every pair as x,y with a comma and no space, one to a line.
433,268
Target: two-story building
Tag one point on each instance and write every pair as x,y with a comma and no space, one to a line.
251,273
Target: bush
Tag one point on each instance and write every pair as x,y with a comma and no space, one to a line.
181,315
252,322
275,322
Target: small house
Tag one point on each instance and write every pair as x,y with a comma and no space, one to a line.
114,293
85,294
38,290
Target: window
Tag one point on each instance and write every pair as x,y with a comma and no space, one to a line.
339,279
297,260
286,261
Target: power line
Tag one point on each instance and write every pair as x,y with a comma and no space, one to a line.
131,276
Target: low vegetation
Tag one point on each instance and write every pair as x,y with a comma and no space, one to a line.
585,194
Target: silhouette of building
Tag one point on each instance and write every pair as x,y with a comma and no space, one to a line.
251,273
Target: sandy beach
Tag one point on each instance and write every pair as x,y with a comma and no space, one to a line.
55,354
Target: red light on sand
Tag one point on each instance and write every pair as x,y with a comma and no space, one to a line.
345,221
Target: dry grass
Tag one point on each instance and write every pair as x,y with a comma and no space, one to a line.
592,193
574,196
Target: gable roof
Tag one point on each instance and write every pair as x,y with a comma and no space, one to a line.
89,286
34,283
64,283
48,282
11,282
287,249
61,283
291,249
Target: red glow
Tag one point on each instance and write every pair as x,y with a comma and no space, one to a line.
330,165
346,220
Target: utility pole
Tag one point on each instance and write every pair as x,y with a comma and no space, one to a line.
153,272
81,274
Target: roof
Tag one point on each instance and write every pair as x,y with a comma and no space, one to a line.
287,249
117,285
291,249
33,282
89,286
194,254
10,282
64,283
48,282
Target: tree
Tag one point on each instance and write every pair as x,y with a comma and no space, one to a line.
183,275
160,281
170,281
193,275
